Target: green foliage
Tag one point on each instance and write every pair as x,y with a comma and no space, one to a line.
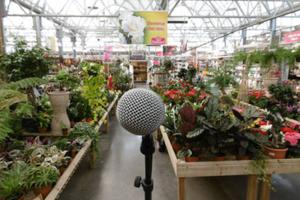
94,88
62,144
13,182
168,65
10,97
41,176
6,126
24,63
283,93
66,81
120,79
223,78
44,119
79,107
86,131
285,55
24,83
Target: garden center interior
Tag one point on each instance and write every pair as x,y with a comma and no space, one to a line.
90,88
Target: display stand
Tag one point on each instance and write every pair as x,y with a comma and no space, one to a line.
64,179
66,176
185,170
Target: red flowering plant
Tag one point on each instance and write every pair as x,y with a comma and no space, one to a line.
258,98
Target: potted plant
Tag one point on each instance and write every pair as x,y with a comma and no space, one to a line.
42,179
64,129
59,95
44,120
13,182
275,147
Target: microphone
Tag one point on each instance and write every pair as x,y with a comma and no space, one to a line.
141,112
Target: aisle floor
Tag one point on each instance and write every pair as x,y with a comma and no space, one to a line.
121,161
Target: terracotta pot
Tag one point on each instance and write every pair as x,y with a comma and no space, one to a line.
44,191
62,170
42,130
72,124
192,159
219,158
65,131
73,152
242,157
275,153
22,197
176,147
60,100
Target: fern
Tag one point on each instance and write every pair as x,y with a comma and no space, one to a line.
9,97
5,124
24,83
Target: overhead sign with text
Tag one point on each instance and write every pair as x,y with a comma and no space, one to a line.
144,27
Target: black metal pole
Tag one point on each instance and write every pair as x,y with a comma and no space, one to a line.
147,148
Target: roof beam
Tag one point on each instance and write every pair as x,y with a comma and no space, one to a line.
177,16
172,9
280,13
39,12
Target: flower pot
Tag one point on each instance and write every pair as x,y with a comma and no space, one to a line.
42,130
192,159
65,131
60,101
62,170
242,157
22,197
219,157
176,147
44,191
275,153
73,152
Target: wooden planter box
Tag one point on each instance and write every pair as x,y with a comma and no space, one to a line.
184,170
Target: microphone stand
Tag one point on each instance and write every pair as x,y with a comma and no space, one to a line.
147,148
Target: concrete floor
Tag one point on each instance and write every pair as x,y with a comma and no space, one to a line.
121,161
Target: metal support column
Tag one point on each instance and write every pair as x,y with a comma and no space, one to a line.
244,36
225,44
273,32
83,43
73,40
59,35
37,25
2,14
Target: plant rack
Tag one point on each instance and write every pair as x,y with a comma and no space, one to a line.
185,170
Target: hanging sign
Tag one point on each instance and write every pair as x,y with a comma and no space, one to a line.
291,37
144,27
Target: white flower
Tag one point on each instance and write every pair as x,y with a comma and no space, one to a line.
266,127
134,26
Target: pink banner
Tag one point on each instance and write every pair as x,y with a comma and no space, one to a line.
291,37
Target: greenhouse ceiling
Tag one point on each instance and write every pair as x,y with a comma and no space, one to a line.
95,22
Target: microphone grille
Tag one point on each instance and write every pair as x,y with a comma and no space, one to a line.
140,111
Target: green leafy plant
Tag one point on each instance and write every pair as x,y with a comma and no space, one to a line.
64,81
79,107
223,78
13,182
44,119
86,131
94,88
24,62
41,176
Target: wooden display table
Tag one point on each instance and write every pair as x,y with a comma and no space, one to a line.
185,170
64,179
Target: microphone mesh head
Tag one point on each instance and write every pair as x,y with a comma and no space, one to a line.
140,111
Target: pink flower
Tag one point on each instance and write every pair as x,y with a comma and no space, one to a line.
292,137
